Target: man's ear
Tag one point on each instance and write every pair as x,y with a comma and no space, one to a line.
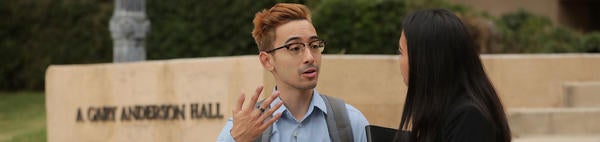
267,61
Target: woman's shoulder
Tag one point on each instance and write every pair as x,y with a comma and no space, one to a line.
467,122
464,107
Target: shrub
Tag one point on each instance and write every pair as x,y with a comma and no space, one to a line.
360,26
590,42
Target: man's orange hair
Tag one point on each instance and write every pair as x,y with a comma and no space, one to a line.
266,21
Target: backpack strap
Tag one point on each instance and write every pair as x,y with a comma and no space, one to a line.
266,135
337,120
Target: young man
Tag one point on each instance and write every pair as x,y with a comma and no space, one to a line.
291,50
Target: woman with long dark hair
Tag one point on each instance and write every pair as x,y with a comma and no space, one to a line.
449,98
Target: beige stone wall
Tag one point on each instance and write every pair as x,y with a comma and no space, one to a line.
536,80
178,82
371,83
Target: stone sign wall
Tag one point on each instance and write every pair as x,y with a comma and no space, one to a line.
173,100
190,99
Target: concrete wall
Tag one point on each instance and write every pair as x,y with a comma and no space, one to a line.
537,80
371,83
179,82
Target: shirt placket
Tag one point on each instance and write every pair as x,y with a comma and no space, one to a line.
296,134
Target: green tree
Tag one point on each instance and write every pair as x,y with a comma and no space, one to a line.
193,28
360,26
37,33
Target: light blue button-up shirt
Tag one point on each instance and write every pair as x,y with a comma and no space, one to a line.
311,128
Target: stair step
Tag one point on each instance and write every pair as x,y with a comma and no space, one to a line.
582,94
554,121
558,139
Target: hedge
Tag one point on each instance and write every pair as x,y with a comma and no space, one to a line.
37,33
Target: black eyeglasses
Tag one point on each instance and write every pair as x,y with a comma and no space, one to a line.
316,47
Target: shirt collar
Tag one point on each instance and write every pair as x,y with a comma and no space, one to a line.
316,102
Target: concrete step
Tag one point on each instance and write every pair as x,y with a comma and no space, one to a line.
554,121
582,94
559,138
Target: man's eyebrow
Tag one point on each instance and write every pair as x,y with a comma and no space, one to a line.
291,39
297,38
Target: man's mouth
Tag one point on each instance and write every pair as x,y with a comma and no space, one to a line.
310,73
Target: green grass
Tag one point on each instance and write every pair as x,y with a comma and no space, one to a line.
22,117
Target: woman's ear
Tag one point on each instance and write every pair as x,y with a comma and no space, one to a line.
266,60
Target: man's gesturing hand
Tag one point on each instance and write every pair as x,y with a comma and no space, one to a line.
249,122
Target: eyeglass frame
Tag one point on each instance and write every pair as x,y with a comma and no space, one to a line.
287,46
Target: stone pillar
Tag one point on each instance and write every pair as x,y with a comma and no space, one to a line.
128,27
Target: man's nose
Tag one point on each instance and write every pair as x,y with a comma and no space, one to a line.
308,56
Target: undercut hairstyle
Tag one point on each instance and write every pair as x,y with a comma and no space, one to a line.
267,20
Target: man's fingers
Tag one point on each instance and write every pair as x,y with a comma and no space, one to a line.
255,97
270,112
240,103
270,122
268,101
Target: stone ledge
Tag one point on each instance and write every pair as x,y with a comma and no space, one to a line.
582,94
560,138
557,121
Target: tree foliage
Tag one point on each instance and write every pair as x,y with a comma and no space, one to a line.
37,33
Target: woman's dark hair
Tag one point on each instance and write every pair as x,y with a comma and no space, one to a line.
444,66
